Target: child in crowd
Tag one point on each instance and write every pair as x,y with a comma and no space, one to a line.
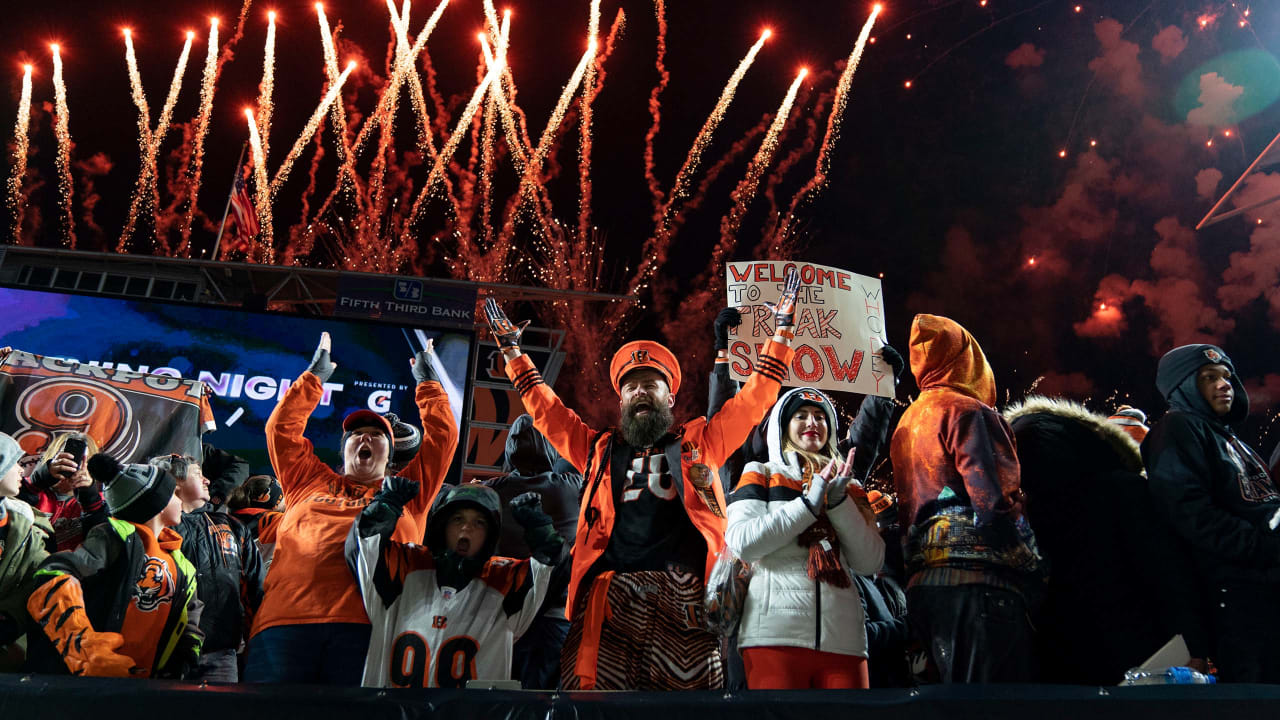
22,549
450,612
123,604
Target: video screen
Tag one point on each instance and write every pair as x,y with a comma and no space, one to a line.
247,359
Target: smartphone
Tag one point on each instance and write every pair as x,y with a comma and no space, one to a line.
77,448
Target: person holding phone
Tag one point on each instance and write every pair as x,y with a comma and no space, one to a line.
62,488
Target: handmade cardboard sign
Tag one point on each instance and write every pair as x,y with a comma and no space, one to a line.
839,325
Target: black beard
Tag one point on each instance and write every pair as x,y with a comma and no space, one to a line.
642,431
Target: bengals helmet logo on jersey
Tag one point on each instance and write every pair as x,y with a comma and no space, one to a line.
155,587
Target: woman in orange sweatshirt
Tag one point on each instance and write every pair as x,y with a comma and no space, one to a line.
312,627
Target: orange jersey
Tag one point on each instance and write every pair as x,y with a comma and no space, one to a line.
309,581
705,444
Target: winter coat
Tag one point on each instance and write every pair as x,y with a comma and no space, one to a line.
1212,487
696,446
956,469
528,463
230,573
309,580
21,552
1118,585
887,634
122,583
784,606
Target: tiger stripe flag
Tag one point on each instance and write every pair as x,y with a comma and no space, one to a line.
132,416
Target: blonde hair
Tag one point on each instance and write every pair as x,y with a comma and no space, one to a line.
815,461
59,442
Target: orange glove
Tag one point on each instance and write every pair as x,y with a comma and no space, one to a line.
58,607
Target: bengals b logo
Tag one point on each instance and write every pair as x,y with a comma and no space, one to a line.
155,587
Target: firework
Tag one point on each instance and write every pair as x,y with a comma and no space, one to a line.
553,123
62,129
21,142
680,188
584,141
464,121
338,111
207,87
746,190
266,89
262,189
310,128
139,96
147,188
655,107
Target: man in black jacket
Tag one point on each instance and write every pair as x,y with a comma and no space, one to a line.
530,466
229,570
1219,496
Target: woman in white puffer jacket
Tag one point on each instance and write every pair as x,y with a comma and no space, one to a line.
800,524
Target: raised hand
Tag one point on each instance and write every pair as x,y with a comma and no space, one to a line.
321,365
397,491
784,311
506,333
727,318
421,365
526,510
893,359
815,494
838,489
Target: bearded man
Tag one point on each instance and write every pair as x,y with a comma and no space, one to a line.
652,516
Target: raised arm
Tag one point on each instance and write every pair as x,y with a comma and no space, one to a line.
380,564
562,427
292,455
439,436
730,427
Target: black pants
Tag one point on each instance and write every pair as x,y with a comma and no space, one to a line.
1246,632
536,656
973,633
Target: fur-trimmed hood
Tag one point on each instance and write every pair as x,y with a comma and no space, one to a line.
1117,439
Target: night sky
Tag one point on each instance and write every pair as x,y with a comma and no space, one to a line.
1090,141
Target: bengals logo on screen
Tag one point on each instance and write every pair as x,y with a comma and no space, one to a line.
156,586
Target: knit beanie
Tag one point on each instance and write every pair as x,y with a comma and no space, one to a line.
809,396
1131,420
135,493
405,440
10,453
263,491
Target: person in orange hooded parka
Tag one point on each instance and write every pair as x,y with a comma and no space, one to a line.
652,517
971,558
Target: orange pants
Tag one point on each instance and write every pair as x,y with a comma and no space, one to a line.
793,668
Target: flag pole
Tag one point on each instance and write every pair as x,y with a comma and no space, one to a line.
222,226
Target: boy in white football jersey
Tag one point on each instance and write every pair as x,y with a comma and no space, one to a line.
449,612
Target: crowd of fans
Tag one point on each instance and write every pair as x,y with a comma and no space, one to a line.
1046,543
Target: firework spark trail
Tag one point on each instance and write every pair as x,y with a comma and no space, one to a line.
584,142
309,130
773,216
746,190
446,153
139,96
262,190
207,88
533,171
680,189
62,129
21,144
146,191
655,108
489,133
346,159
399,74
819,179
501,37
267,87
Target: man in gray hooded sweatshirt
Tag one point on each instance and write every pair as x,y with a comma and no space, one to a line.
1219,496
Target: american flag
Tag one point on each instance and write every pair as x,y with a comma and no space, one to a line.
245,228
